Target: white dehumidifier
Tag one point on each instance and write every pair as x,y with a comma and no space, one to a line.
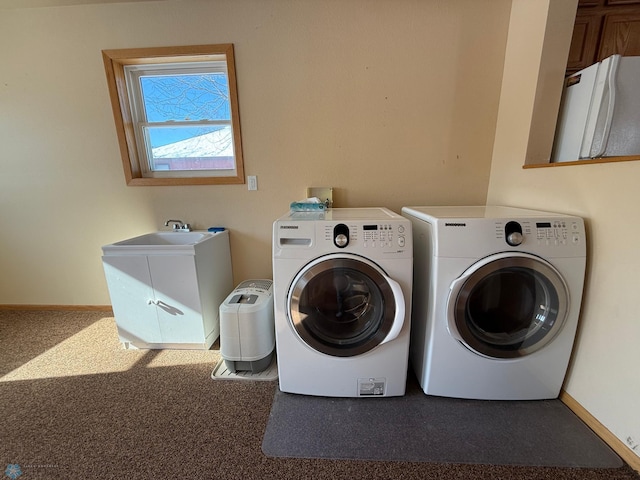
247,331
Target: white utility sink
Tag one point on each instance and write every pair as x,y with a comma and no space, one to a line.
166,287
158,242
167,238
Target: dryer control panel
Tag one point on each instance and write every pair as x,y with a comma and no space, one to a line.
558,232
561,232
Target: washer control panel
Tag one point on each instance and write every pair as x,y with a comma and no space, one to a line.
390,235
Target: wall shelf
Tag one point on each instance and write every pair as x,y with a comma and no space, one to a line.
584,162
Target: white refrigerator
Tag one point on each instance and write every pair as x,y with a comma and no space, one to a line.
600,112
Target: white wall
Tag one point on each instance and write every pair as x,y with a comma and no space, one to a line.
603,376
388,101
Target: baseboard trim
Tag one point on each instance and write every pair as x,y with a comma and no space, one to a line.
609,438
59,308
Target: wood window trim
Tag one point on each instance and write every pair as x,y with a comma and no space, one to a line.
589,161
114,63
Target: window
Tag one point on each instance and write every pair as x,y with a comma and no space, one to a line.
176,114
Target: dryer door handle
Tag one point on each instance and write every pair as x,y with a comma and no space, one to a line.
454,289
398,319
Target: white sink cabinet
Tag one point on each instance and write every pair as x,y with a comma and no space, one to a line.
168,296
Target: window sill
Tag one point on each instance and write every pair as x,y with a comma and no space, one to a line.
584,162
143,181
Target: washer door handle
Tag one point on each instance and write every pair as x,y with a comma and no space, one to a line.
454,288
398,319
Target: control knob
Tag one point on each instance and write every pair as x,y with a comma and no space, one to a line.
513,233
341,235
514,239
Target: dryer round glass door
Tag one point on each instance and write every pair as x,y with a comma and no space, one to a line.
508,305
341,305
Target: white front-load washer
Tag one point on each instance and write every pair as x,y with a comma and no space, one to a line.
497,294
342,299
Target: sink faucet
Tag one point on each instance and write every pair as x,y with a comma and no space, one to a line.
178,225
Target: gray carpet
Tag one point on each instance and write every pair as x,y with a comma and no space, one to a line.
421,428
75,405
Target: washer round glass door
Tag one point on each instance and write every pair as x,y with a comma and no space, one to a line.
508,305
342,305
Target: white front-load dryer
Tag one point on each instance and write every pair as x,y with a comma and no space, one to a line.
342,300
497,294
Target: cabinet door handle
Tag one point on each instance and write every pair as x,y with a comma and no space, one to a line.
166,307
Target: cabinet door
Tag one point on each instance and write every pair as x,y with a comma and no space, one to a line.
584,43
620,34
175,288
130,291
603,28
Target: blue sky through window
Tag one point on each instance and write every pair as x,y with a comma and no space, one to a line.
184,98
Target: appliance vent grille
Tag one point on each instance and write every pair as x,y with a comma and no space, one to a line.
260,284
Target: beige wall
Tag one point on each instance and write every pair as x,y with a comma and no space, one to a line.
388,101
604,373
391,102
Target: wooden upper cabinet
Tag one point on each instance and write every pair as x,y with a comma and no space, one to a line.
618,2
620,34
584,43
602,28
